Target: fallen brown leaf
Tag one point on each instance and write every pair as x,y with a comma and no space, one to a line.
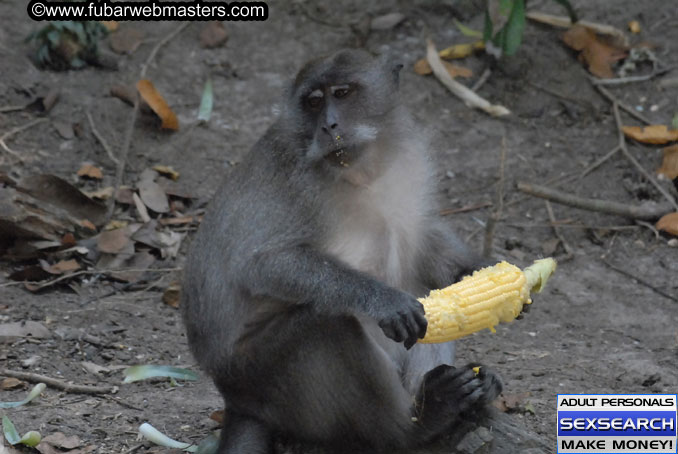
218,416
154,99
151,193
213,35
177,221
11,383
668,223
114,241
654,134
171,295
88,225
126,40
62,441
167,171
598,55
461,50
634,27
101,194
669,166
422,68
9,331
90,171
63,267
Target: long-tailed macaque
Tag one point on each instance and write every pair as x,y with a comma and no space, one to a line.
299,291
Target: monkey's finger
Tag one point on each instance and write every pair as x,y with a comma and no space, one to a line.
393,330
422,325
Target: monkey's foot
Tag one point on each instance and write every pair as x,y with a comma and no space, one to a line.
447,392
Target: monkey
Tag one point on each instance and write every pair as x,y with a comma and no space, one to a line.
299,291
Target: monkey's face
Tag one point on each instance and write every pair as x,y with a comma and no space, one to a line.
345,101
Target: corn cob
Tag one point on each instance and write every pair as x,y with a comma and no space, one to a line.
489,296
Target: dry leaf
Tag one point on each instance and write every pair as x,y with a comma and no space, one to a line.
116,224
177,221
64,128
218,416
158,104
126,41
655,134
88,225
62,441
461,50
101,194
634,27
62,267
29,328
668,223
213,35
669,166
62,194
125,195
386,21
423,69
167,171
151,193
171,295
90,171
598,55
114,241
11,383
141,208
111,25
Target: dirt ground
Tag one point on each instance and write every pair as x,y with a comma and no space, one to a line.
594,330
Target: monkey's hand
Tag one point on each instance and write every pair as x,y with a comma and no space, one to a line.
401,317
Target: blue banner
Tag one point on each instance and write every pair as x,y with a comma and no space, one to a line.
616,423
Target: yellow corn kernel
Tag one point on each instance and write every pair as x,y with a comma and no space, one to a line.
482,300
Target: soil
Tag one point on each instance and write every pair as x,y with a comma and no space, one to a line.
594,330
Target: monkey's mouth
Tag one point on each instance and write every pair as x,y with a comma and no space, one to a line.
340,157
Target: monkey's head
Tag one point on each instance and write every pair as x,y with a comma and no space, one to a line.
341,104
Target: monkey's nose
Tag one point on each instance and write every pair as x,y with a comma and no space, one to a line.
327,128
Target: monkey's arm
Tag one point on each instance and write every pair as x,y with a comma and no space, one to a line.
302,275
446,258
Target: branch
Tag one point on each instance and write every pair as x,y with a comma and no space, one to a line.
58,384
647,211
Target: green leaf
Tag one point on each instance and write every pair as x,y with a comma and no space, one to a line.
9,431
136,373
468,31
570,10
509,38
205,110
487,28
35,392
674,122
159,438
31,439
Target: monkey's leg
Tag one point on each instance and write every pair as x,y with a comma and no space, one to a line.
448,393
243,435
322,379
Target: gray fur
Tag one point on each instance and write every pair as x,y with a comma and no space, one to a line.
306,266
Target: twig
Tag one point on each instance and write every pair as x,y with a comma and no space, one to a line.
124,151
89,272
58,384
100,138
630,110
496,215
470,98
557,94
568,250
640,281
599,162
649,226
134,449
641,169
122,403
17,130
6,109
464,209
630,79
646,211
482,79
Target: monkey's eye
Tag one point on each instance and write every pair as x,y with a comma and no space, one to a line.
315,99
339,91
